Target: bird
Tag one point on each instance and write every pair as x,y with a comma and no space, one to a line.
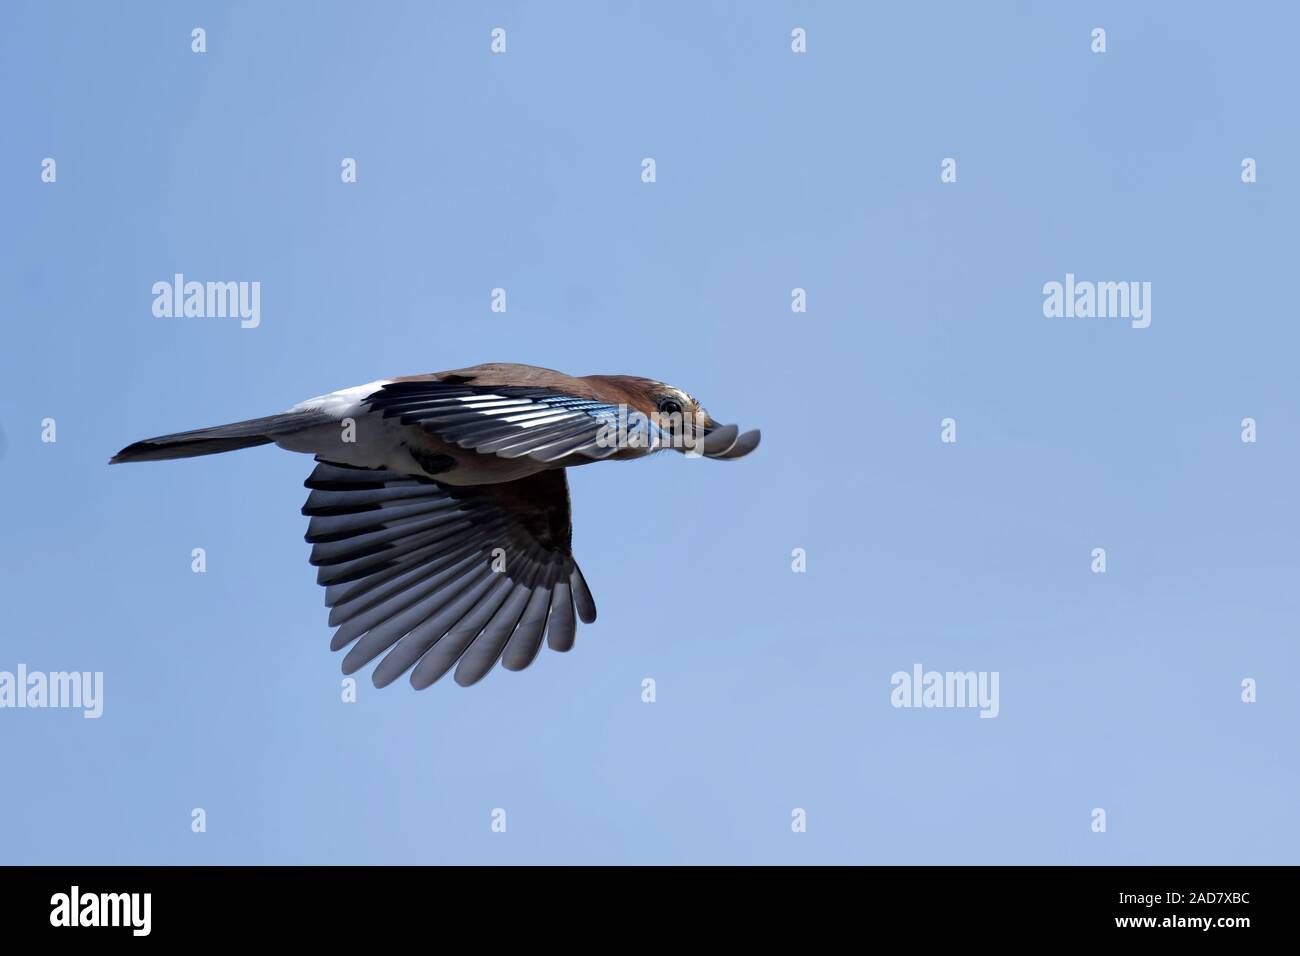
439,512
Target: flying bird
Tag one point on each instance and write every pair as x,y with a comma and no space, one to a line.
440,519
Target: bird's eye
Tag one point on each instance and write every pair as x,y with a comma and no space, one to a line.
670,406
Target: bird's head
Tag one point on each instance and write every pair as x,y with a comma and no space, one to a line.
686,425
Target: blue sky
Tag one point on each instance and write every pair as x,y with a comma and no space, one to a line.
775,170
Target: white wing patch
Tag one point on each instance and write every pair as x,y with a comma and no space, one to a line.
343,403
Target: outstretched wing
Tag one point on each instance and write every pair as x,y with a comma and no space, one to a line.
512,420
437,575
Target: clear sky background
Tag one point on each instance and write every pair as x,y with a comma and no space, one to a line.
775,170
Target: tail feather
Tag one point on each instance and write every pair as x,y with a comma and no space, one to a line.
212,441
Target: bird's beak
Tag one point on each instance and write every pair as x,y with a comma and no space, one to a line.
726,442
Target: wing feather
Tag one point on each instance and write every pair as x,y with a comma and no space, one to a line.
435,577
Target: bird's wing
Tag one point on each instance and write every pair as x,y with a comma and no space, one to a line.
512,421
435,574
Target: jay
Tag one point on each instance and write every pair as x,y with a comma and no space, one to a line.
439,508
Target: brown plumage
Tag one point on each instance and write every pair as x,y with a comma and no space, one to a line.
440,517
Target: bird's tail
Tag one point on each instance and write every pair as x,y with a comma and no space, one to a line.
212,441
